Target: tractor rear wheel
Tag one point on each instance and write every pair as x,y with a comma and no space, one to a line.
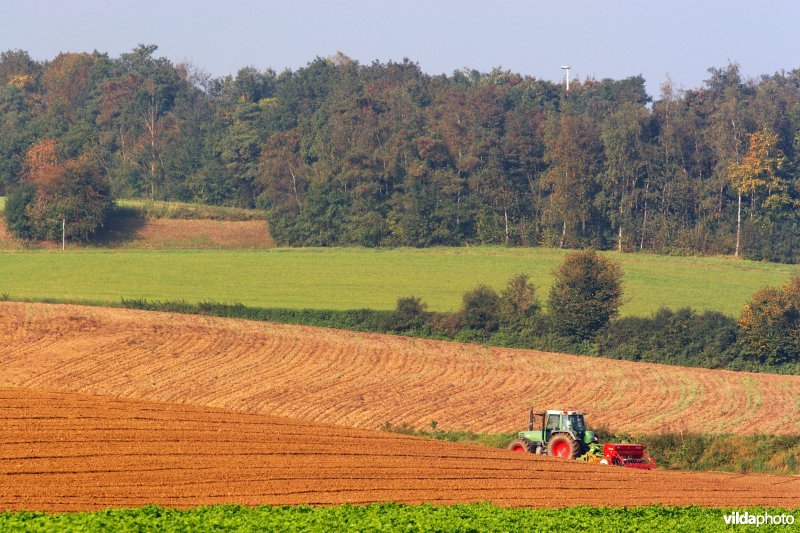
563,445
521,445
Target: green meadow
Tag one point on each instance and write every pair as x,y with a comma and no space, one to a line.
353,278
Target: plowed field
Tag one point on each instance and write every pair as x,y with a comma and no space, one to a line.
68,452
179,234
167,234
365,380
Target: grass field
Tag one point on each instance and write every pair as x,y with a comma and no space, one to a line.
351,278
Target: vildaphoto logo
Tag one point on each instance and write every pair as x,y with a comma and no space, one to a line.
765,519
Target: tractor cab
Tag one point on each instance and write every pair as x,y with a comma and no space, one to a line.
571,421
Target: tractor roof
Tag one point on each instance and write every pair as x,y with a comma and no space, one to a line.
562,412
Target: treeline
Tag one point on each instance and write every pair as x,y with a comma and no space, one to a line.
340,153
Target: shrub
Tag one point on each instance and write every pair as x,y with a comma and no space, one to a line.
586,294
473,336
480,309
445,325
518,302
769,325
682,337
410,314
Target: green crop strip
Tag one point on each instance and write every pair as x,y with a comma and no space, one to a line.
388,517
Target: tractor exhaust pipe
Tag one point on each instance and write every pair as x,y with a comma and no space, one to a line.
530,421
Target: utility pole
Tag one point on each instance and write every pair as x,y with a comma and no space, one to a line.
63,234
566,67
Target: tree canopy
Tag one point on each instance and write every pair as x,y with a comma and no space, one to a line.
586,294
343,153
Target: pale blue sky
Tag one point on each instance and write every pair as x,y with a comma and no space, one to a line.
600,38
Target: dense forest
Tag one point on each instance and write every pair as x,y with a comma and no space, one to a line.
340,153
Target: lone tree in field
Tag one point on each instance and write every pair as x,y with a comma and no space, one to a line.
586,294
769,326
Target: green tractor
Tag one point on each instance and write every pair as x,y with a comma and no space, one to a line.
561,434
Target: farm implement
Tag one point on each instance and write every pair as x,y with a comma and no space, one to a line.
564,434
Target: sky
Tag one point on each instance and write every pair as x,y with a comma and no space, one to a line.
600,38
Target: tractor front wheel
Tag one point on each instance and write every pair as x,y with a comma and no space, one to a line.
562,445
520,445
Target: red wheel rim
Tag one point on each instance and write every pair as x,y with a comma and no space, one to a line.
561,449
517,447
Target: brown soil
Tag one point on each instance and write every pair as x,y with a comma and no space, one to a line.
69,452
364,380
171,234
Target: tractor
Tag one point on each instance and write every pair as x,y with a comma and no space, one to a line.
563,434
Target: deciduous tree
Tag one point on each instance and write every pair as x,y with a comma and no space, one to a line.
758,173
55,192
586,294
769,325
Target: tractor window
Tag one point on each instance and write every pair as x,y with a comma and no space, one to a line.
553,421
576,423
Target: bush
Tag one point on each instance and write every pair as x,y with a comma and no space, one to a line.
480,309
473,336
518,302
682,337
409,315
351,319
445,325
769,325
586,294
